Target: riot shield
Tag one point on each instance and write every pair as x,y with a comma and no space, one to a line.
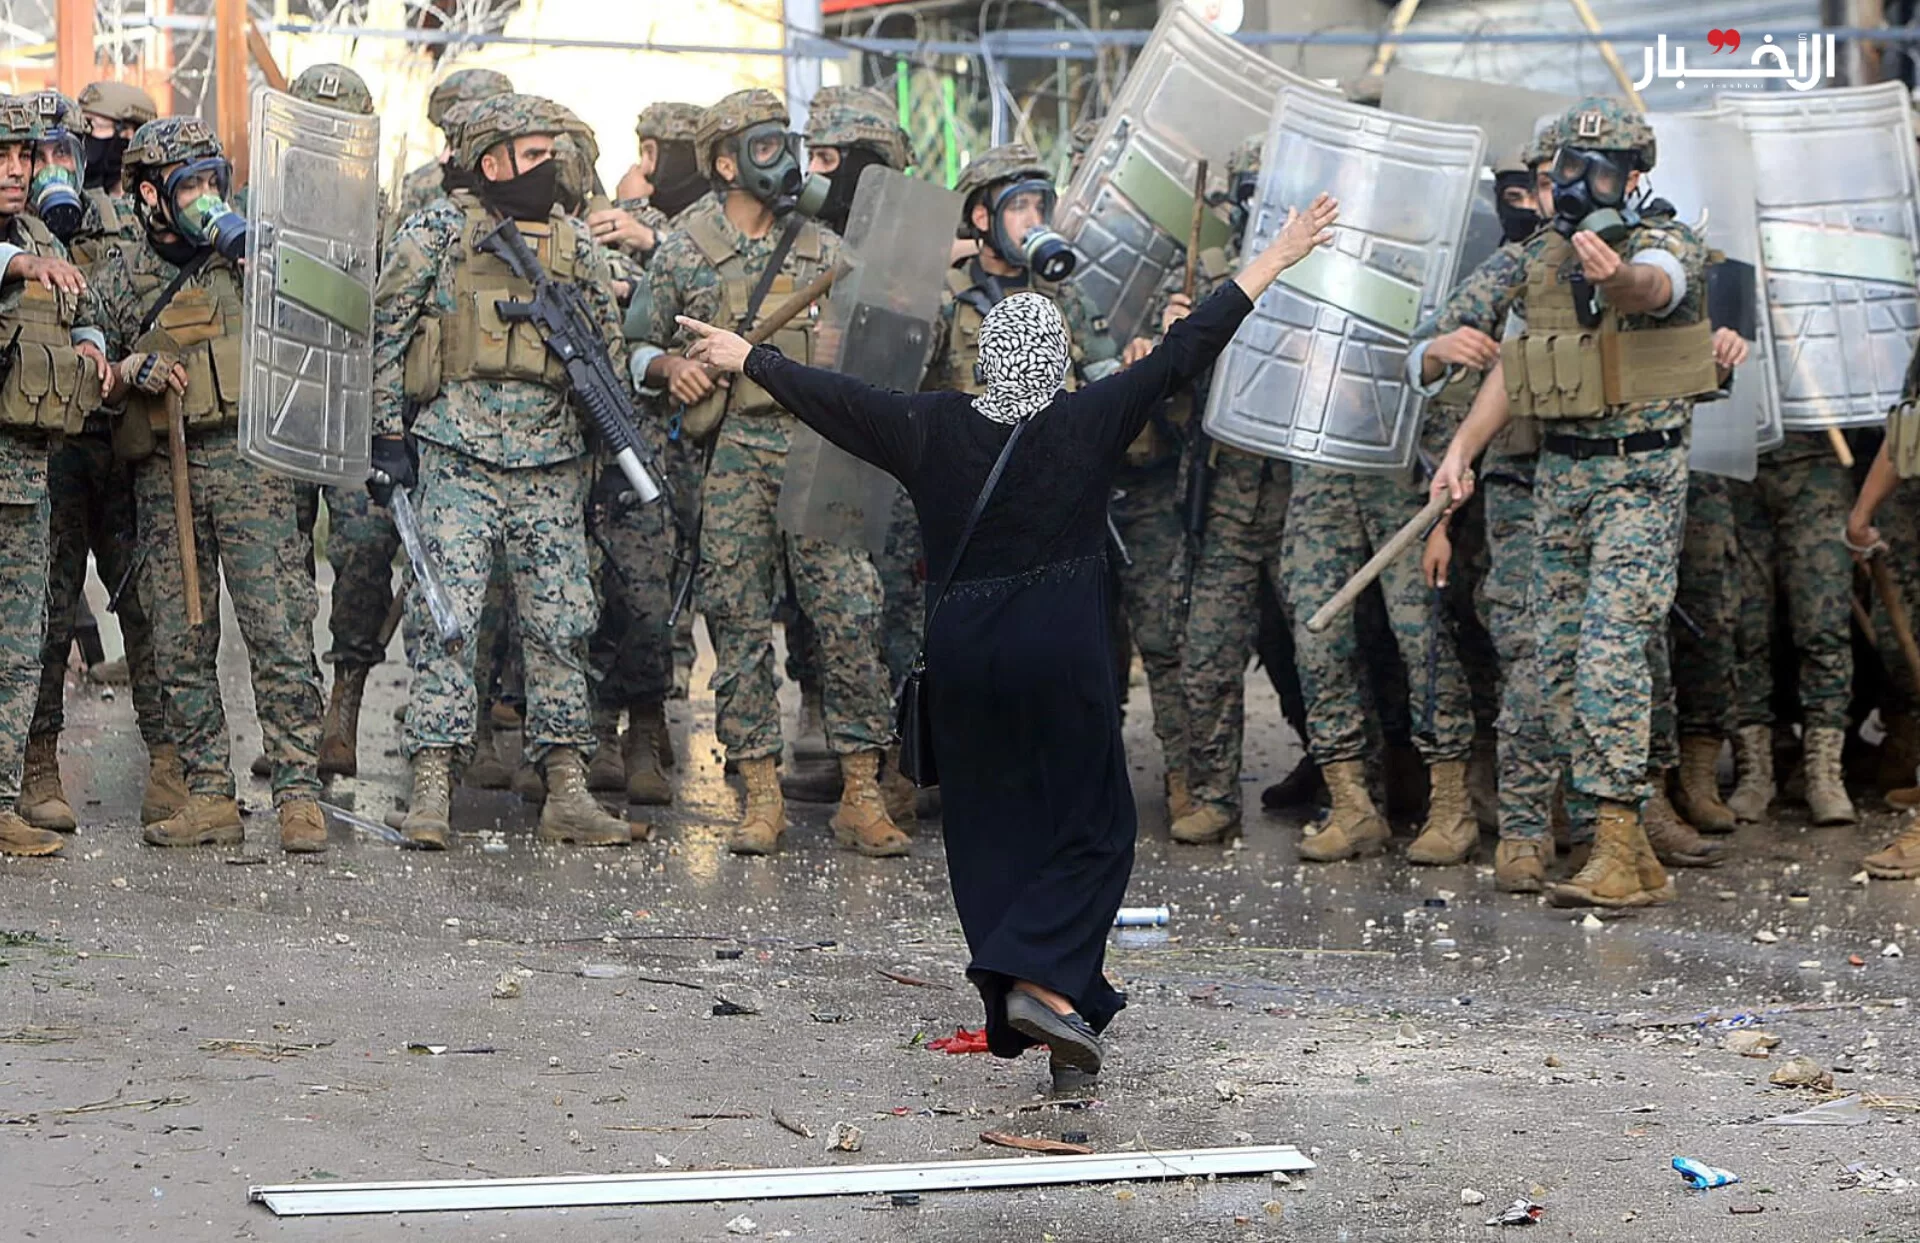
877,326
1706,172
1838,217
313,227
1505,113
1193,94
1317,372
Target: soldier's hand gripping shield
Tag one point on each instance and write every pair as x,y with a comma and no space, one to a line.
1317,372
1191,96
877,327
313,226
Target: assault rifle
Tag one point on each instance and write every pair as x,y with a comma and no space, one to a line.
1200,461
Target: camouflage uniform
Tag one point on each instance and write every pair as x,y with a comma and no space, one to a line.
424,185
504,470
742,551
1702,682
1791,518
53,324
245,517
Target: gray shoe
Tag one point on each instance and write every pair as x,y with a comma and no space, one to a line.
1066,1036
1071,1080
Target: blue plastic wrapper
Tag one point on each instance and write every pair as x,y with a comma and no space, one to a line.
1701,1176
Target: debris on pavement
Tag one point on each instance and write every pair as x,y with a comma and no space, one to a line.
913,981
1701,1176
1142,917
1750,1042
1522,1212
788,1124
742,1224
1847,1111
1051,1147
1873,1178
732,1003
962,1041
1471,1198
507,987
846,1137
1801,1072
1892,950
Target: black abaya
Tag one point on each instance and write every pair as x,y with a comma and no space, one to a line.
1038,812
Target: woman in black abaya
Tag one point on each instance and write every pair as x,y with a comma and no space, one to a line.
1025,715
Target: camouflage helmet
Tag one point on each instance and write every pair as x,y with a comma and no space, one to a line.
1080,138
56,111
119,101
502,118
1546,140
334,86
1014,161
1514,161
465,86
170,140
849,116
735,114
19,120
669,122
1245,158
453,121
1603,123
577,151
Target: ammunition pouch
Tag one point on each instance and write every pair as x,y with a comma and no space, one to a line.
420,375
48,386
1903,440
475,343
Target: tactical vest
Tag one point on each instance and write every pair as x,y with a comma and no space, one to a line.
963,342
201,327
703,226
472,342
1160,442
1560,369
48,386
90,245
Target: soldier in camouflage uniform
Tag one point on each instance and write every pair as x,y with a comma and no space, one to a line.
502,467
91,494
1610,485
429,182
178,339
47,313
707,269
1788,517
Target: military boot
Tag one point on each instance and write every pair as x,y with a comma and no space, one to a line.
206,820
1826,784
1483,782
571,814
1900,859
1353,827
303,830
862,823
1698,794
43,802
640,756
608,771
759,830
812,742
487,771
1520,864
1612,876
340,728
1451,831
430,809
1753,767
1205,824
1180,800
901,795
166,792
1899,751
530,783
659,737
1673,839
1297,789
813,781
17,837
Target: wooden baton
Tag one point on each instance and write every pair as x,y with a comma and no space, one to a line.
1841,449
1403,539
1193,230
1896,614
183,507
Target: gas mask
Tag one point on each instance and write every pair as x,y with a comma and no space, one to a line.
1241,191
103,160
768,161
843,182
53,193
1590,192
207,221
677,183
1518,222
1040,250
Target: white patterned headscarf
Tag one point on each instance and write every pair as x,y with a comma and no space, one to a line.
1023,358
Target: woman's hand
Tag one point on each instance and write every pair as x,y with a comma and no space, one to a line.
718,348
1304,231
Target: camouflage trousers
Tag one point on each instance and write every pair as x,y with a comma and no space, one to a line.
1335,520
93,511
1694,692
686,466
23,619
1791,519
1246,519
476,517
361,546
1899,524
246,529
1528,772
1607,547
743,557
1146,512
631,653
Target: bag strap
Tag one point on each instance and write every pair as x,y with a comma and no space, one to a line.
174,286
775,262
973,519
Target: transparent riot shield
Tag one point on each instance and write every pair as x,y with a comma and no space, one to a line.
1838,218
877,326
1505,113
1317,372
313,228
1192,94
1706,171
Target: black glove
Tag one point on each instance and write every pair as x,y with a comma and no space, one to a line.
393,465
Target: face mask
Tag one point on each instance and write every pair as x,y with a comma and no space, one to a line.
453,177
1041,251
103,160
844,182
677,182
210,222
53,198
530,196
1589,191
1517,221
774,178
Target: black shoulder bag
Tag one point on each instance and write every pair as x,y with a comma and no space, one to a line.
910,720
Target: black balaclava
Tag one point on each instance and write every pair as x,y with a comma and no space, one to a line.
845,180
1517,223
529,196
103,160
677,183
